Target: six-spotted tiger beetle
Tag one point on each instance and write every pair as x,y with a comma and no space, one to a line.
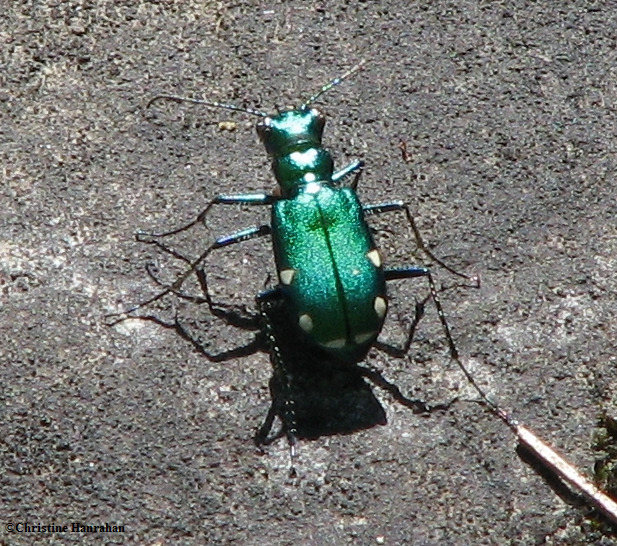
331,275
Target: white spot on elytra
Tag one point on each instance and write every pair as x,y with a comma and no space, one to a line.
287,275
306,323
374,256
380,306
361,338
335,343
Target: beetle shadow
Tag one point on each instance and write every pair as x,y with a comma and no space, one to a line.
332,398
329,397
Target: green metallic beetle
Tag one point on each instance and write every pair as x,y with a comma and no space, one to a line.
326,259
329,269
331,279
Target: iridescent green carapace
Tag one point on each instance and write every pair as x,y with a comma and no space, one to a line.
326,259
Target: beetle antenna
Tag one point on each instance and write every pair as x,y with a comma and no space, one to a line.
211,104
334,83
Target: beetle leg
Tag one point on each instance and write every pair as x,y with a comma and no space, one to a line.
356,167
380,208
240,199
238,237
413,272
283,404
248,349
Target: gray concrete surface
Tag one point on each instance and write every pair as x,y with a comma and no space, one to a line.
508,109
